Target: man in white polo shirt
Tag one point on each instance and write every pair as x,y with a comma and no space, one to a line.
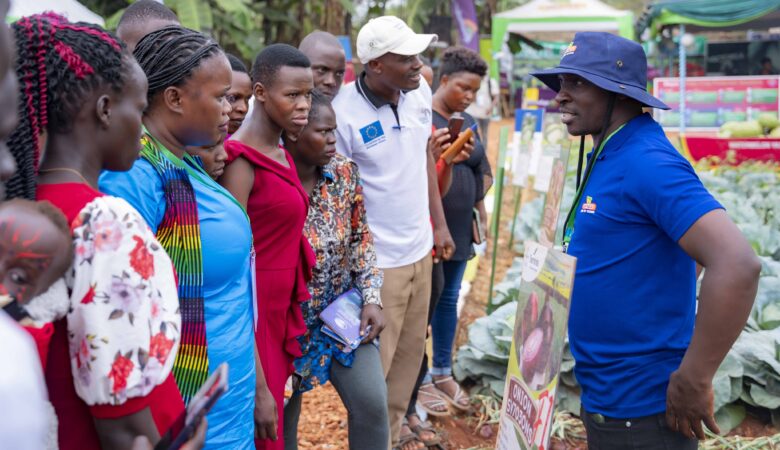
384,125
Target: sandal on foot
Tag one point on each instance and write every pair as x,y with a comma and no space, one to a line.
432,405
456,399
408,438
426,427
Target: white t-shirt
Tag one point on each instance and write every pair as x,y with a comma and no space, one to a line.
24,413
391,153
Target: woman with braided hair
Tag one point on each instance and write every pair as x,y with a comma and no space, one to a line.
203,228
109,364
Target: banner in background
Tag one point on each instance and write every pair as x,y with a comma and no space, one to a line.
712,101
732,149
537,348
465,15
349,73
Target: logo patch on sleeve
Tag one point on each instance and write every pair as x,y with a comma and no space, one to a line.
373,134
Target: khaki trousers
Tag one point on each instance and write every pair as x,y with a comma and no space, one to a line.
406,293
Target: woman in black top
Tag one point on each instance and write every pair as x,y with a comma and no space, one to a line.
461,74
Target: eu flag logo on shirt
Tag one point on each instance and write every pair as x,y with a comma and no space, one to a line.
372,134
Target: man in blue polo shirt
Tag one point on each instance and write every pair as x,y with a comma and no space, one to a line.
640,223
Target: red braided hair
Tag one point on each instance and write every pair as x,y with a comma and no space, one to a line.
59,63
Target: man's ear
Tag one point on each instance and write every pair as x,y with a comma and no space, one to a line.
375,66
259,91
443,80
172,97
103,110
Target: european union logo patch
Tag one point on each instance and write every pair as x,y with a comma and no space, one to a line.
372,134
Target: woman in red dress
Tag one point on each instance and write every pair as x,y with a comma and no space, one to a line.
109,364
261,175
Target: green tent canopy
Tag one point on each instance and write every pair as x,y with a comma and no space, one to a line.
726,14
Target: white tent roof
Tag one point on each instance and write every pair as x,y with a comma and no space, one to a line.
550,9
539,16
71,9
562,27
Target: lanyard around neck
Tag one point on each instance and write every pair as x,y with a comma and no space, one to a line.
195,170
568,229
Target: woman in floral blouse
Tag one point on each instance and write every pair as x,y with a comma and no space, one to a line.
109,364
337,230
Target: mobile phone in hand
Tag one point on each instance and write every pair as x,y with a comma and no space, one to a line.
454,126
200,404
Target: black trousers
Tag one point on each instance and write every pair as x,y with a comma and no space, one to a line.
437,285
643,433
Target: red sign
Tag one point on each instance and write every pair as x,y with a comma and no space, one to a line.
745,149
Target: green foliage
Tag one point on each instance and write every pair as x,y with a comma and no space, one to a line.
243,27
194,14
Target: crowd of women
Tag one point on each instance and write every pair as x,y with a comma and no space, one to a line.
202,215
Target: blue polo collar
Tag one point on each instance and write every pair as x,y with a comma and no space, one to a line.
624,133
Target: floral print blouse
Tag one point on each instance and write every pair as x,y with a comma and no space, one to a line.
338,232
123,322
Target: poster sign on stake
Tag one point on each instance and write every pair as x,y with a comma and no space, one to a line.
551,175
555,142
537,348
526,145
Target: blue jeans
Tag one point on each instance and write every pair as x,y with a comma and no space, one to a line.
445,318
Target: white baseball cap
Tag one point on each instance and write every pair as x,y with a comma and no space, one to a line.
389,34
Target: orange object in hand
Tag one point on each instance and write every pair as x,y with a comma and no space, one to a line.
452,151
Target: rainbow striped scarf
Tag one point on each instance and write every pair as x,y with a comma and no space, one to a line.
179,234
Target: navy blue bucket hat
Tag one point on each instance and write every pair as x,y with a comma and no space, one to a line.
611,62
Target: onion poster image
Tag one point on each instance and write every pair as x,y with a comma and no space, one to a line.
537,348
